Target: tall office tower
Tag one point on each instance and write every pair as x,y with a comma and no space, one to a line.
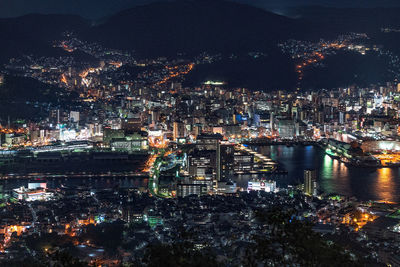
271,121
320,117
341,118
175,130
286,128
310,182
208,141
225,161
179,130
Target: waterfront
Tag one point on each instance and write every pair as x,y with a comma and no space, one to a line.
92,182
334,176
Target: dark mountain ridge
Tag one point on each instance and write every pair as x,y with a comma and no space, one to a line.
193,26
368,20
34,34
189,27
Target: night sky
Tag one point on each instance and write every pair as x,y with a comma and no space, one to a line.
101,8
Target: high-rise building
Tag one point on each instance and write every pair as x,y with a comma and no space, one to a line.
225,161
74,116
310,182
208,141
341,118
286,128
202,163
243,162
178,130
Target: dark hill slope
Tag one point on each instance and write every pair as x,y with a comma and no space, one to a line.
194,26
368,20
33,34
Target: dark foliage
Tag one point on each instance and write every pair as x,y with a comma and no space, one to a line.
346,69
179,254
193,27
28,98
107,235
272,72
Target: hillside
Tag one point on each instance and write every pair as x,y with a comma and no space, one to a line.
22,97
34,34
368,20
194,26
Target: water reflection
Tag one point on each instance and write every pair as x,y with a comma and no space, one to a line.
333,175
328,163
385,186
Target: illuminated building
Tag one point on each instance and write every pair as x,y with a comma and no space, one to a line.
178,130
110,134
131,124
208,141
310,182
381,146
214,83
208,181
12,139
67,134
184,190
74,116
261,185
202,163
137,141
286,129
225,161
227,187
26,194
36,191
232,129
35,184
341,118
266,120
152,221
243,162
132,213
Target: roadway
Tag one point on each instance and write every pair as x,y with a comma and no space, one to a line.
158,167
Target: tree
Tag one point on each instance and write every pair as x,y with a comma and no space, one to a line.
293,242
178,254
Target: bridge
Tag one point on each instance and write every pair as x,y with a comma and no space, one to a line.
271,142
